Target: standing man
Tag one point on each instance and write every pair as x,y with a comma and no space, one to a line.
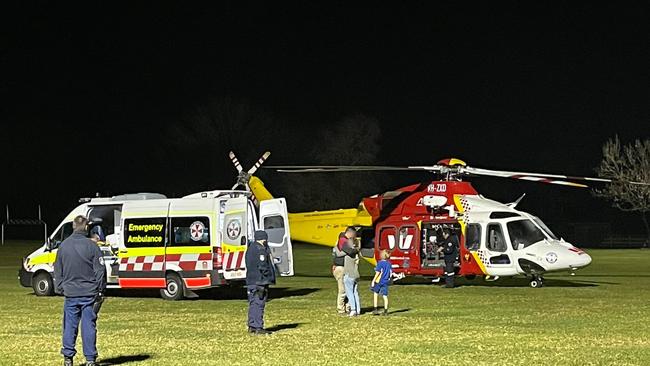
344,247
450,249
260,273
80,276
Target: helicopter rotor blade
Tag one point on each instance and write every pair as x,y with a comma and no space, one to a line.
235,161
347,168
259,163
541,177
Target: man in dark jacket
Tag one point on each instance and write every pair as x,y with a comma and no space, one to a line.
450,249
80,276
260,273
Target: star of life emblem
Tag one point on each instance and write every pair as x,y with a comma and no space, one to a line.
196,230
233,229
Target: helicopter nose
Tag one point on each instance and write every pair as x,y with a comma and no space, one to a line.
586,259
583,259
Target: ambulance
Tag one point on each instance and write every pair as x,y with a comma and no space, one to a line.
177,245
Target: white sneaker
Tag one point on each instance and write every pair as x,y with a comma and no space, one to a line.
353,313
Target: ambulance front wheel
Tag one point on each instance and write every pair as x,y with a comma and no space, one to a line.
42,284
174,288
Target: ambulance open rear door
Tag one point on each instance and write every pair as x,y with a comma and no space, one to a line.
234,233
275,221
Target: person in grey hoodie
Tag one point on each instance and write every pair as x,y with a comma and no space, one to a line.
351,279
80,276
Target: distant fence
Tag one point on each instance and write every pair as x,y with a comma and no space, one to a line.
623,242
22,222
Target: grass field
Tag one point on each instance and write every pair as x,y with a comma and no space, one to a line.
601,316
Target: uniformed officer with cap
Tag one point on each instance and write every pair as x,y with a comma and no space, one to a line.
450,249
80,276
260,273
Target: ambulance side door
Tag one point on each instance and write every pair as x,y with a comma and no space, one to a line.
274,219
234,230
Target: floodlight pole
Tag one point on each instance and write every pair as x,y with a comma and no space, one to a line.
3,225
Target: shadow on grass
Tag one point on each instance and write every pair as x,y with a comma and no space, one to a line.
218,293
504,282
120,360
279,327
369,309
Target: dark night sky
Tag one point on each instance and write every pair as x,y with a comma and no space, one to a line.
87,90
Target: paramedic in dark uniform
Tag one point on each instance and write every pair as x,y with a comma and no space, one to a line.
80,276
450,249
260,273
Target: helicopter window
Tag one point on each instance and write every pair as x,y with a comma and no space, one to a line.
495,240
473,237
406,237
387,238
524,232
545,228
503,215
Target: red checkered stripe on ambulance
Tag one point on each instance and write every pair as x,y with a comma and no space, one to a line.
187,262
234,260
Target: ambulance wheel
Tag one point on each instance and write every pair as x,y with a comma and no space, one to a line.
42,284
174,288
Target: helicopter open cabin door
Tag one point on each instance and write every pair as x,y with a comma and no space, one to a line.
275,221
499,260
234,241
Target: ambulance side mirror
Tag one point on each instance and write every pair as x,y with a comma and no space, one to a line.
51,245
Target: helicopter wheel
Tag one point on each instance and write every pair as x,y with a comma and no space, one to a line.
536,282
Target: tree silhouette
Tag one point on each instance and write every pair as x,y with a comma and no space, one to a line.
354,140
624,164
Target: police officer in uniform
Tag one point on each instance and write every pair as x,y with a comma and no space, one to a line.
260,273
80,276
450,249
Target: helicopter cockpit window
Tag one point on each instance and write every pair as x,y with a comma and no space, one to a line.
495,239
473,237
524,232
545,228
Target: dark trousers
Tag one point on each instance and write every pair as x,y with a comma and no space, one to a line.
75,309
449,272
257,296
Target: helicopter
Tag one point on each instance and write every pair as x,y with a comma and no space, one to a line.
495,239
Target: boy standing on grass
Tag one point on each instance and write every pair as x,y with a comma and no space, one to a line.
381,281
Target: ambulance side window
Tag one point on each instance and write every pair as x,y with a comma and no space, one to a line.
189,231
144,232
62,234
473,237
274,227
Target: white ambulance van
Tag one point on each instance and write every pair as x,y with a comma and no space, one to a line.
176,245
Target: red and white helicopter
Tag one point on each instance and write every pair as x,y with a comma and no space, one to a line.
495,238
